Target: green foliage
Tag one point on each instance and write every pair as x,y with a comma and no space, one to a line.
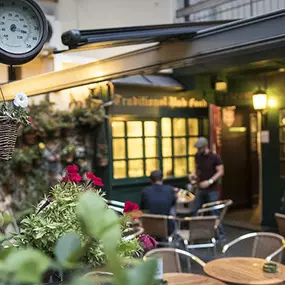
98,223
24,156
15,113
41,231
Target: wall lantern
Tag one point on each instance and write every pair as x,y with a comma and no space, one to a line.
259,99
221,86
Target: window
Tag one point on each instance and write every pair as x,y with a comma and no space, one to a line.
141,146
282,142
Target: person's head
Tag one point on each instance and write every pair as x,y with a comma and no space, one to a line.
156,177
202,145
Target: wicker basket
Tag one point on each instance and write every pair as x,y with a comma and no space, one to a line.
8,137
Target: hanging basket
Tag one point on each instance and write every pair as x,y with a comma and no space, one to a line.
8,137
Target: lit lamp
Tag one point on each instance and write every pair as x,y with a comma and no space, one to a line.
259,99
221,86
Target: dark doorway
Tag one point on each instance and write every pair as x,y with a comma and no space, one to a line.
239,161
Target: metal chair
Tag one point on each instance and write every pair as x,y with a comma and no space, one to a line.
172,258
218,206
116,205
131,233
265,245
157,226
201,232
280,220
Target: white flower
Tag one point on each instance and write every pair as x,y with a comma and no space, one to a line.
21,100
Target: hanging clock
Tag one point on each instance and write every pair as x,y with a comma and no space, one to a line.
23,31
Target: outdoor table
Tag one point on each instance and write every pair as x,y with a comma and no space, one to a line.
243,270
189,279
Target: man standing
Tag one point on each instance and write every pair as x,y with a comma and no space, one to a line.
209,169
158,198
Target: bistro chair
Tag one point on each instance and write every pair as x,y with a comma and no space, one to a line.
132,233
280,220
173,259
157,226
219,206
201,232
264,245
116,206
99,277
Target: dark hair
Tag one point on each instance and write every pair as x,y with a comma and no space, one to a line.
156,176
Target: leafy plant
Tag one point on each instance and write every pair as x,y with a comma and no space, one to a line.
16,109
42,230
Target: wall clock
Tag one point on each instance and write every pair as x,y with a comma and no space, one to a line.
23,31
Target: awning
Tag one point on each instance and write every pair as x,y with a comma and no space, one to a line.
248,40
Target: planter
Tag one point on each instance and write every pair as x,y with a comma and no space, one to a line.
8,137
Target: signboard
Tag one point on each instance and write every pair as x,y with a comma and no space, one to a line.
159,101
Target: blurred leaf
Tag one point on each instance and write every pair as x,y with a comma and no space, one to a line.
82,281
66,246
28,265
142,274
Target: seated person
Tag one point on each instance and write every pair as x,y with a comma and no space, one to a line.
159,199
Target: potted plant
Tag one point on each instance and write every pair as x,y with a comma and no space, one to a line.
57,215
12,115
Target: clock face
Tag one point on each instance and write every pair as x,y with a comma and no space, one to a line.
21,26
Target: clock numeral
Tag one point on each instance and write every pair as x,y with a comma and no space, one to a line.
35,38
6,36
21,20
25,26
19,37
10,14
29,46
2,23
36,28
23,32
3,29
17,16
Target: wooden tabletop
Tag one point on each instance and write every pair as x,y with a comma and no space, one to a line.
190,279
242,270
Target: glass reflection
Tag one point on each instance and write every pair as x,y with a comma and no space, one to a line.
118,129
180,167
119,168
119,149
179,127
136,168
151,147
166,127
135,148
151,165
134,129
179,146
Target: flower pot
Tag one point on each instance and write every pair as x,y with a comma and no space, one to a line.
8,137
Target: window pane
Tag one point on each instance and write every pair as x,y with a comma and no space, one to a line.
191,164
151,148
134,129
166,147
179,127
151,165
179,147
118,129
166,127
193,127
136,168
150,129
135,148
180,167
119,148
119,168
167,167
191,149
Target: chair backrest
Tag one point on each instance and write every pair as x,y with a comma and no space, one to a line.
155,225
131,233
172,258
280,220
201,227
116,205
265,245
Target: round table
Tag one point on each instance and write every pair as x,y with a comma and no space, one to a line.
189,279
242,270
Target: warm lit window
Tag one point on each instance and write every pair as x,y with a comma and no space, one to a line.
282,142
142,146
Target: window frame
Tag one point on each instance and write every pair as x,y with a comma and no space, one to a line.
203,123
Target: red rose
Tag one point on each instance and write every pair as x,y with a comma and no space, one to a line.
130,207
72,169
148,242
96,180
